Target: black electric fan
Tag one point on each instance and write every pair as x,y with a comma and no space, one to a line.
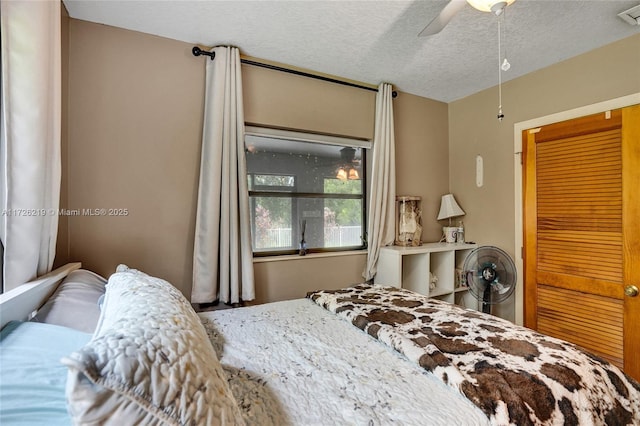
491,275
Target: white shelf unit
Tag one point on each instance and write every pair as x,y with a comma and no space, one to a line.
409,267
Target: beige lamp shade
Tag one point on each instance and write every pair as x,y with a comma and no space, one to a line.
449,208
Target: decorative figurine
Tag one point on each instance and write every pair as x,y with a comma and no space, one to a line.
408,216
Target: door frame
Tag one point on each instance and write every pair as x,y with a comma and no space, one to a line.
518,128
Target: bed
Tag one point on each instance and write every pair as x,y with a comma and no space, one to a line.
135,352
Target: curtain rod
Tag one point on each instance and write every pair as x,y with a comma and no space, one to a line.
198,52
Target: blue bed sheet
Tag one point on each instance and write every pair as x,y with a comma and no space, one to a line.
32,379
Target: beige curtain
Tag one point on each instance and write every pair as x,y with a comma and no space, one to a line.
381,224
30,160
223,258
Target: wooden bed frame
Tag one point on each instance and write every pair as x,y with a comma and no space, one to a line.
20,303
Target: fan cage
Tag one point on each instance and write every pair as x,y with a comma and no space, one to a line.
490,274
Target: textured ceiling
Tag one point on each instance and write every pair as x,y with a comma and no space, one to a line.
376,41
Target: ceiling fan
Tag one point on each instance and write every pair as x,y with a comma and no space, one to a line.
454,6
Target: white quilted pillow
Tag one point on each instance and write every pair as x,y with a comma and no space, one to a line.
149,361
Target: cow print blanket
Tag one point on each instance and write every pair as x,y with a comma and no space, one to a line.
515,375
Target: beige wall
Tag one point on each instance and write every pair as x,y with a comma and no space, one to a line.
422,155
135,119
603,74
293,278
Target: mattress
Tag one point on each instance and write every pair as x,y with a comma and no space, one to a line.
294,363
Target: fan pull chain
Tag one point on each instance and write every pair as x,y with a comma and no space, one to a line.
500,114
503,65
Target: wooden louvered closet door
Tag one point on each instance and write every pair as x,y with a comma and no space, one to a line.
582,233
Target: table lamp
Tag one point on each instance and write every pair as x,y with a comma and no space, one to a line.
449,208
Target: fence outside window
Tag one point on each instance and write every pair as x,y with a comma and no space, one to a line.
335,236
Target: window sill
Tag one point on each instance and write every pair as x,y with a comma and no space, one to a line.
288,257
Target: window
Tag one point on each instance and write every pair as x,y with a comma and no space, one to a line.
303,181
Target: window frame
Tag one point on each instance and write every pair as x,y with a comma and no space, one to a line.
293,194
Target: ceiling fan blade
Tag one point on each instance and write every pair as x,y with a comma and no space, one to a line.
439,22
